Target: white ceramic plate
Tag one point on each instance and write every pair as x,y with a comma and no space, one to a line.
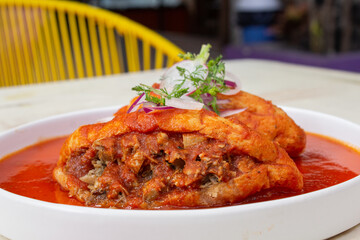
315,215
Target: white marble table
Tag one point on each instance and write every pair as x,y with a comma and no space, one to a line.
332,92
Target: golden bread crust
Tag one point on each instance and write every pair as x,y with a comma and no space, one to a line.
266,118
178,158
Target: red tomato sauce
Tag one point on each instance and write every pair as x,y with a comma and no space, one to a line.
28,172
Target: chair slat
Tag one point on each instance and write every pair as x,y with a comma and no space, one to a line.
113,51
17,46
54,33
84,36
66,44
76,45
25,44
158,59
128,55
95,47
5,80
4,65
118,41
135,52
44,59
146,55
132,53
49,45
33,42
104,49
9,48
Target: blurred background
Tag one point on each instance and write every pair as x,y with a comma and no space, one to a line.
323,33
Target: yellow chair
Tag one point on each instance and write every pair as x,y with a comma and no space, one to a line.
44,40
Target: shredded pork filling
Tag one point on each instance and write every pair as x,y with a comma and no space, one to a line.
138,169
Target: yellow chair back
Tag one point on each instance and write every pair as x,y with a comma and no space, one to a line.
46,40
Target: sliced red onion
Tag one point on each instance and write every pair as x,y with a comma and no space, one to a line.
148,104
172,76
145,106
162,108
147,110
135,108
188,94
138,105
150,109
232,80
227,113
206,98
184,103
131,108
230,84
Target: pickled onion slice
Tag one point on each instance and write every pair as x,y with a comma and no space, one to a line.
227,113
233,82
172,76
135,103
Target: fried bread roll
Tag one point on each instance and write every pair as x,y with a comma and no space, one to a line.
171,159
266,118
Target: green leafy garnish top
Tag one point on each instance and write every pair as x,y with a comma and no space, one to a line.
194,77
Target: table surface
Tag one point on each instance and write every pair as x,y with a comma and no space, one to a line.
332,92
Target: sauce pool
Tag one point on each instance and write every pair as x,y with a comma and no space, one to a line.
324,163
28,172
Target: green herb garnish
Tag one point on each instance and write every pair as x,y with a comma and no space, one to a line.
161,93
208,82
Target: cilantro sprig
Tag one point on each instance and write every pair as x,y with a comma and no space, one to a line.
208,88
208,81
161,94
